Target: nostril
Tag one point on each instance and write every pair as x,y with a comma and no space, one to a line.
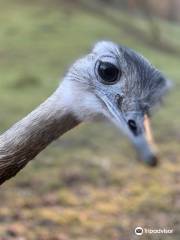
132,125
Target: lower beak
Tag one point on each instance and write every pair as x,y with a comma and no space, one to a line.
148,132
153,160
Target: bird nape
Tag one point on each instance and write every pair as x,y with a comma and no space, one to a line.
111,81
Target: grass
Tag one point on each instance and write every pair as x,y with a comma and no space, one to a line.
88,184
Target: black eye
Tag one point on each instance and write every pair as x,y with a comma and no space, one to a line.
108,72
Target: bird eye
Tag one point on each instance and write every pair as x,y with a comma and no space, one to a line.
108,72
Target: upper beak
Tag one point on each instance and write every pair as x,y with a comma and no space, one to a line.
138,131
143,140
144,143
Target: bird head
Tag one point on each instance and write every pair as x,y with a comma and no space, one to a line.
120,84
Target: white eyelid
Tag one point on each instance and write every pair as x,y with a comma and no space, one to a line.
109,59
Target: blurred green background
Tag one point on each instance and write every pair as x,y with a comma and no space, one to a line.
88,185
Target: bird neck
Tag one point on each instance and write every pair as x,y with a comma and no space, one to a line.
24,140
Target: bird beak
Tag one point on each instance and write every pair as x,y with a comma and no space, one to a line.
148,132
144,144
142,140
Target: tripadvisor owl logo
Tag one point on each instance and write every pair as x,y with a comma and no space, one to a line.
139,231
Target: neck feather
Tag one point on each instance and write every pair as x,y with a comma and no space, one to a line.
24,140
